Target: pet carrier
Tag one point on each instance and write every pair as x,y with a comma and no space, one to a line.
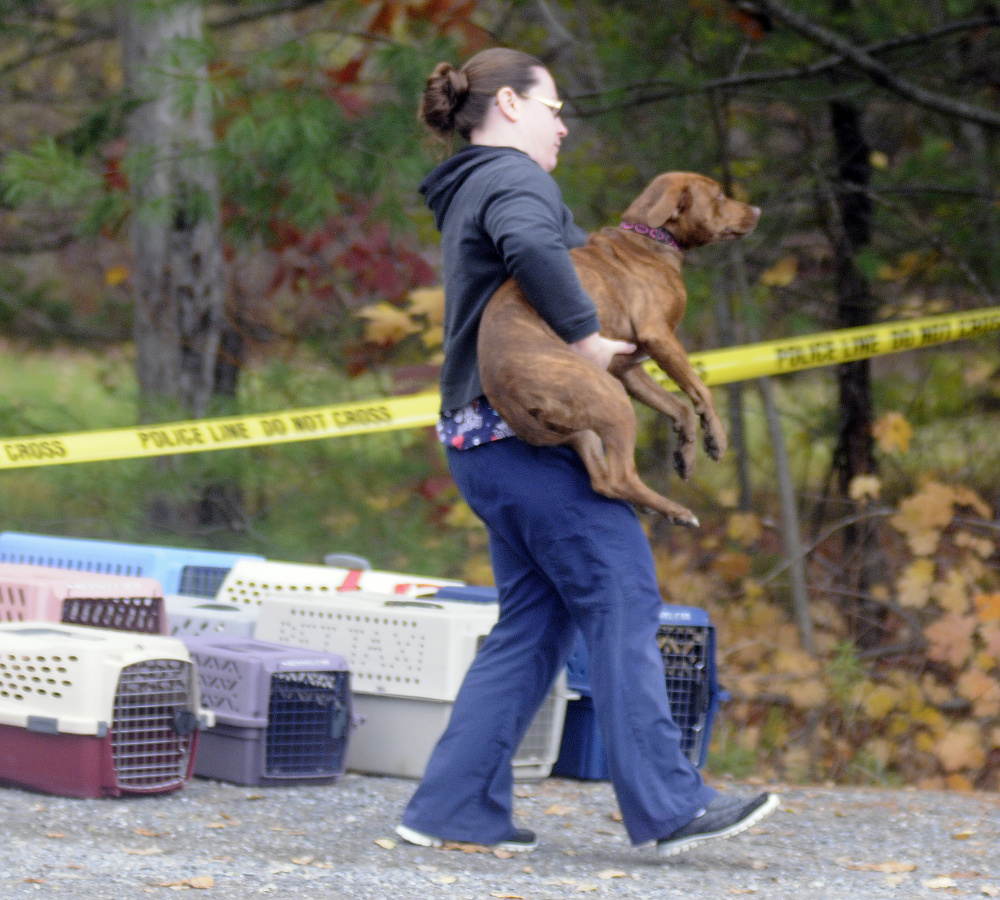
197,616
192,572
282,714
540,746
250,581
118,602
408,658
687,645
89,713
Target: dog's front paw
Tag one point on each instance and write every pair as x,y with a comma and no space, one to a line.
684,458
716,442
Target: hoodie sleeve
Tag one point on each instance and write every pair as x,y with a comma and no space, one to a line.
532,231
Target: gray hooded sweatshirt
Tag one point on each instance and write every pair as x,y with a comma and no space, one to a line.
500,216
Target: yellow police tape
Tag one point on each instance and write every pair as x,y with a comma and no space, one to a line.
715,367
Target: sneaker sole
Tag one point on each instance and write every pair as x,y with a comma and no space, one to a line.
696,840
411,836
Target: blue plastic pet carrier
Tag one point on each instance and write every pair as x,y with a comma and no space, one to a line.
687,644
195,573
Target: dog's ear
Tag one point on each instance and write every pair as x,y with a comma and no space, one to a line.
663,201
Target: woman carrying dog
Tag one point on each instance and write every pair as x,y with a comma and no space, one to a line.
563,556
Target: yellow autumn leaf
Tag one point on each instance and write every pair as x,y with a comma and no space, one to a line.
878,159
386,843
429,302
808,694
115,275
982,547
982,691
913,589
881,701
386,324
922,517
965,496
794,662
782,273
745,528
950,639
961,748
952,592
433,337
956,781
864,488
906,265
893,433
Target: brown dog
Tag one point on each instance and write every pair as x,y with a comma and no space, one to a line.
549,394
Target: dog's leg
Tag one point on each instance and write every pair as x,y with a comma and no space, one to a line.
610,461
671,356
641,385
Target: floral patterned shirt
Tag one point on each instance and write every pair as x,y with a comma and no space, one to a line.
471,425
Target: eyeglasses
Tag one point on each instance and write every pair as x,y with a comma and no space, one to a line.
555,105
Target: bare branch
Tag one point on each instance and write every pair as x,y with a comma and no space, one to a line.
655,91
880,73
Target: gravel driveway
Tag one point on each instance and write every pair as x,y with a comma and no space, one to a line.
336,841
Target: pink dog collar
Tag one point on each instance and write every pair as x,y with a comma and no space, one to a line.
657,234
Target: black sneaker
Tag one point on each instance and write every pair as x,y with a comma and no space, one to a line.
520,840
722,818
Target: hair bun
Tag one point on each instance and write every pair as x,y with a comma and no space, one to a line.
447,89
453,83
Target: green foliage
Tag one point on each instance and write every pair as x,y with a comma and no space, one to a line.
49,175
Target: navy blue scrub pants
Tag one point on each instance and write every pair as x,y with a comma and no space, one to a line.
562,556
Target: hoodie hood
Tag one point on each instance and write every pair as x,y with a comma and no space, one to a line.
440,186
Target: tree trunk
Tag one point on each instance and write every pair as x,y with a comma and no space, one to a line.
854,453
178,268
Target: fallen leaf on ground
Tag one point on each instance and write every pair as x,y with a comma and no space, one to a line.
612,873
500,896
964,834
500,853
199,882
557,809
891,867
146,851
446,879
55,834
303,860
145,832
466,848
939,883
584,888
386,844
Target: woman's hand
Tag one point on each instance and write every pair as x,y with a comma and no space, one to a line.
599,350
